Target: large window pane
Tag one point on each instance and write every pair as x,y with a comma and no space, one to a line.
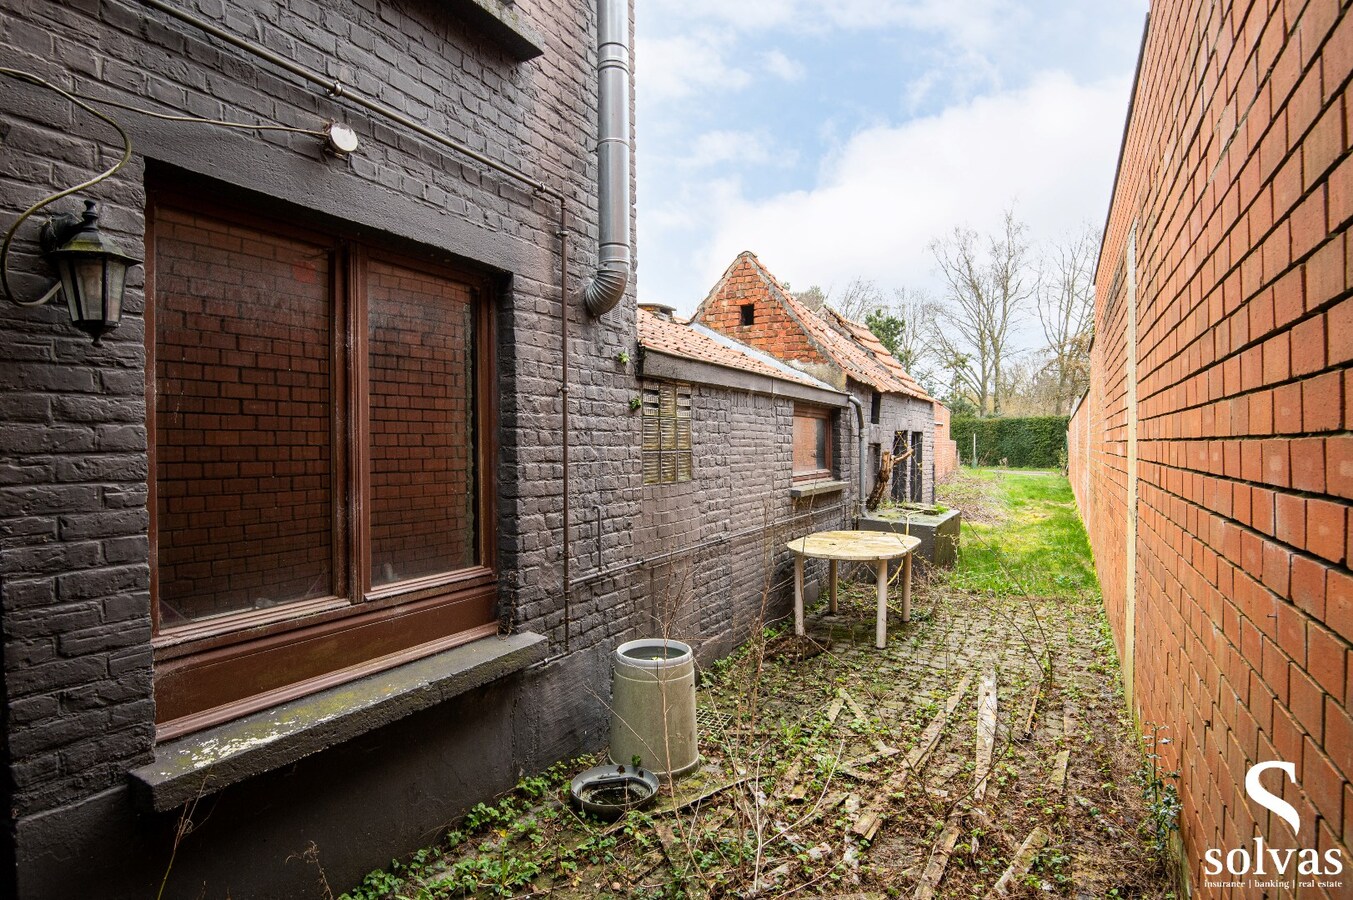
421,424
243,418
812,443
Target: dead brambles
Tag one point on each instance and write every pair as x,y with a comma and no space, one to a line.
984,752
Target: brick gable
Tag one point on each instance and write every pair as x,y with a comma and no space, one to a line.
775,328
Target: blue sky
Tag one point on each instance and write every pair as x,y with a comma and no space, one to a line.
836,138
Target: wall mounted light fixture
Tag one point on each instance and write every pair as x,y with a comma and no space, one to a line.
92,271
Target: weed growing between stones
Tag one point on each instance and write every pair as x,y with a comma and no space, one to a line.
830,768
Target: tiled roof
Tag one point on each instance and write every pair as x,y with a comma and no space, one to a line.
694,342
851,353
830,336
871,343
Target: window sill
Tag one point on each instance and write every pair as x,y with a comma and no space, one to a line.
504,24
813,488
207,761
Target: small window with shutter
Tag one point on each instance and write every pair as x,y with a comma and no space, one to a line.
667,433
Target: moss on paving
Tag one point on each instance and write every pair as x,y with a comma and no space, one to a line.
800,761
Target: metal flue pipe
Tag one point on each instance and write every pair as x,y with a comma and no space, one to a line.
614,260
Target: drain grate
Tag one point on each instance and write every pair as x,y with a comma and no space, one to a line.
708,720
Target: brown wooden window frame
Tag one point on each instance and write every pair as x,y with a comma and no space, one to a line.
815,418
215,670
665,417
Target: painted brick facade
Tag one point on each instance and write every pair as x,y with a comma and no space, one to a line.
719,565
74,520
1211,456
827,347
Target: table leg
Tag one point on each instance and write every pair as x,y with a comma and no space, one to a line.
798,594
906,588
831,585
881,628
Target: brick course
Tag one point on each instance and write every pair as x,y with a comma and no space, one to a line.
74,523
1232,183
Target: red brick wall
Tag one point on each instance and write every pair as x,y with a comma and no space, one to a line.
1236,177
773,329
946,451
242,417
422,424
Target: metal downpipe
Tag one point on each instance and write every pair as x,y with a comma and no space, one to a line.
614,261
859,439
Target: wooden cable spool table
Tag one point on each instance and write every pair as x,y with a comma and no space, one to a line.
877,547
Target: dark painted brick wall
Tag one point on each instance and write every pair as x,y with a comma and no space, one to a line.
73,520
719,564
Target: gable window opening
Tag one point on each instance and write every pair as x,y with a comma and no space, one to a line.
813,457
666,415
317,427
876,408
748,313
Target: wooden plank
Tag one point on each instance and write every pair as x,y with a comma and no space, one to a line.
1059,764
835,709
986,732
1020,865
1063,758
939,856
1027,729
869,820
854,769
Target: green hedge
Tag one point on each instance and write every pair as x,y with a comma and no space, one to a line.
1035,442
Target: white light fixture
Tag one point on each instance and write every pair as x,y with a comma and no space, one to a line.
341,140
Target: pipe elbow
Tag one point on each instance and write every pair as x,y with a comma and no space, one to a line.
605,289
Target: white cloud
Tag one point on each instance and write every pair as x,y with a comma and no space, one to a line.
1049,148
724,147
781,66
669,68
966,21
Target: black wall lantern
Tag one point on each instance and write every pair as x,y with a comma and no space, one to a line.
92,270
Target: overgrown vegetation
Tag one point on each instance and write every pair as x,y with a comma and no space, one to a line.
1029,442
1024,538
805,742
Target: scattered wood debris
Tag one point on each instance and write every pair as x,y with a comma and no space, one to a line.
939,856
867,825
986,732
1019,866
1063,758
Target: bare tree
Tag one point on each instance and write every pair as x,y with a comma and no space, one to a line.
987,286
814,297
859,298
914,308
1066,309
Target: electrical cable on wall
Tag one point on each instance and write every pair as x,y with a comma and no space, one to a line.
52,198
79,100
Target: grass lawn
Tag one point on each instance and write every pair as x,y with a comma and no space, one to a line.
1025,538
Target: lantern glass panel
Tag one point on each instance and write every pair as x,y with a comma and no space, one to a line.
115,277
66,270
89,276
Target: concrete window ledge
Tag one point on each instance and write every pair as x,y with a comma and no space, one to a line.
210,760
501,21
813,488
